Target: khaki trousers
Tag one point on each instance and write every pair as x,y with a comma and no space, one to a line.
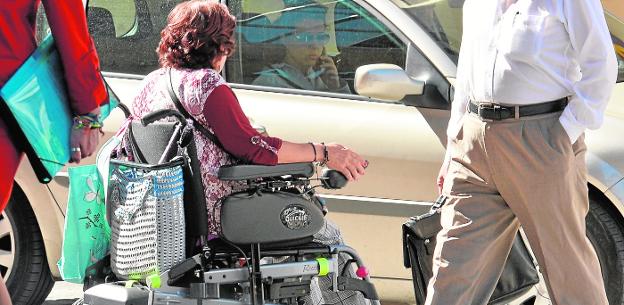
507,173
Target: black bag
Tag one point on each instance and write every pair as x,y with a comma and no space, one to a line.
419,240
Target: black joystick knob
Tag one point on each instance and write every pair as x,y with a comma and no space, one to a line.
333,179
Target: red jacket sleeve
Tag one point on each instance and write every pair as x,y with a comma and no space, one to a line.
229,123
68,23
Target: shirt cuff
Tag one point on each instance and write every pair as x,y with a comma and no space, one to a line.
569,124
267,152
455,121
274,142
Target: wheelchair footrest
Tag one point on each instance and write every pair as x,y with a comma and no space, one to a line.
178,271
365,287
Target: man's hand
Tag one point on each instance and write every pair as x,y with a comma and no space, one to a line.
442,174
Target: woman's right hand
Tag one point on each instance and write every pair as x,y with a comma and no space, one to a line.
346,161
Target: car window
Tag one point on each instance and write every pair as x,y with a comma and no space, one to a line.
614,14
308,45
442,19
127,32
618,44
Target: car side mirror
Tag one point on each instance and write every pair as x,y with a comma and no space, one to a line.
386,82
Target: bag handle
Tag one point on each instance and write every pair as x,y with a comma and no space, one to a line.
205,131
438,203
103,157
407,229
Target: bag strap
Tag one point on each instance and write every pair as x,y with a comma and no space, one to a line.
205,131
103,157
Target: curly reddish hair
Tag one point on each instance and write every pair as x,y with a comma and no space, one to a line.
196,32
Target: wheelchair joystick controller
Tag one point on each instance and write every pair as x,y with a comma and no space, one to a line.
333,179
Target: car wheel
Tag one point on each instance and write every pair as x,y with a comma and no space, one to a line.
23,262
607,236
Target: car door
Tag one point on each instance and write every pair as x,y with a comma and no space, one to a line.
403,144
403,150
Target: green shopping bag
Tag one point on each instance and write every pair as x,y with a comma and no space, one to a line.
87,233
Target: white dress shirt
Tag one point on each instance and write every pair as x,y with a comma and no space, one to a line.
535,51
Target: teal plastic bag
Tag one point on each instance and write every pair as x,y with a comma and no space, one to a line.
87,234
34,105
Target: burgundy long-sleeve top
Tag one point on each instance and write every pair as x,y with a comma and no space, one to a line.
206,97
67,21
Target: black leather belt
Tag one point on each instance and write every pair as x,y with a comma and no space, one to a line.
496,112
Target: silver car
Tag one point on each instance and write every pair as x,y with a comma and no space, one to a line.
398,124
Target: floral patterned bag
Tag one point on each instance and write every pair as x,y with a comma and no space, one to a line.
87,234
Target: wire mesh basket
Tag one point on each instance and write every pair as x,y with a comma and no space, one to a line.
146,214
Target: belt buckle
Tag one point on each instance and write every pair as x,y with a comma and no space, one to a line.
497,111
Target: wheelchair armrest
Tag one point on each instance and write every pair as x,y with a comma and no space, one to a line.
244,172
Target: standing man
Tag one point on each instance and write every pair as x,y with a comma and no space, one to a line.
532,76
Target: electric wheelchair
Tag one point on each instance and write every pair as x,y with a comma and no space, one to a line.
265,253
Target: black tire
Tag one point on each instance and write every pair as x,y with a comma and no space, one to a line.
607,236
29,281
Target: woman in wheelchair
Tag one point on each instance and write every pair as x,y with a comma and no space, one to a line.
194,46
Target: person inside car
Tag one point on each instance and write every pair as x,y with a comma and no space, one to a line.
194,47
305,64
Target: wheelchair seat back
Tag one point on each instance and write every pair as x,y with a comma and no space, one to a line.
151,141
